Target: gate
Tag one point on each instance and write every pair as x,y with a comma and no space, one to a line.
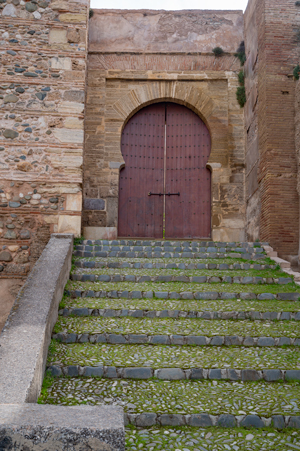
165,186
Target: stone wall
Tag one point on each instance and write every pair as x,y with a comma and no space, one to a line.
271,166
43,52
140,57
297,132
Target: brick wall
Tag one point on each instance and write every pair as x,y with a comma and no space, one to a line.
271,183
43,50
155,56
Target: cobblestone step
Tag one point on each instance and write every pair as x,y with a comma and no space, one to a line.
218,439
230,306
184,357
188,295
184,397
102,263
165,254
181,334
167,243
208,315
248,280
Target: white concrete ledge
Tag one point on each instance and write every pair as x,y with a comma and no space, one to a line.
26,335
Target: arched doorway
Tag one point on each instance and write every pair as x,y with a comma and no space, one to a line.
165,187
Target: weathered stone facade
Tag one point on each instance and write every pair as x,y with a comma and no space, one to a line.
48,75
42,91
140,57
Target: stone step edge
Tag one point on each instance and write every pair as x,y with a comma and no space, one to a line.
174,374
204,420
172,249
119,278
139,242
125,254
208,315
182,266
176,340
188,295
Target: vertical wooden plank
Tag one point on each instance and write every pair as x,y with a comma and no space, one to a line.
188,148
142,147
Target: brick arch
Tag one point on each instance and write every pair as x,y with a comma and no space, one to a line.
193,98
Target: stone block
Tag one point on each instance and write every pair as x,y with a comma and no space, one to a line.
93,204
294,422
61,63
172,420
170,374
93,371
34,427
200,420
266,341
195,340
250,375
146,419
69,224
215,373
252,421
226,421
233,375
196,373
278,421
272,375
74,202
58,36
217,341
137,373
116,339
5,256
292,375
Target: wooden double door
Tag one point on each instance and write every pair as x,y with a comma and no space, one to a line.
165,187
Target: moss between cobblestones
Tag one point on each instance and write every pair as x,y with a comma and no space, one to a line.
184,326
195,439
86,354
185,397
274,273
184,305
228,260
182,286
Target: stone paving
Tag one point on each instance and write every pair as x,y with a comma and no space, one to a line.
198,342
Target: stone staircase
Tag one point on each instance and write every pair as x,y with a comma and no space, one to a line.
199,342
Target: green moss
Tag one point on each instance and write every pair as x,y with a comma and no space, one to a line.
241,96
218,51
296,72
184,305
183,286
47,383
160,356
180,326
241,78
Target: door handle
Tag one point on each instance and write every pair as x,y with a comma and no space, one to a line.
162,194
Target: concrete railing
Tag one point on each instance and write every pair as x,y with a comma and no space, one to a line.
24,343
